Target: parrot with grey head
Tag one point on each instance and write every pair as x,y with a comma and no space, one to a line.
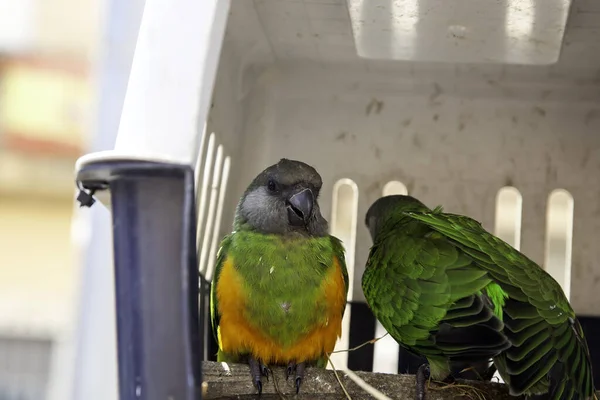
279,291
448,290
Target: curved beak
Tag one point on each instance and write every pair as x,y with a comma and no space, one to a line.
300,207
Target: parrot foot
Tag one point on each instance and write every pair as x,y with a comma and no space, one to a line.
422,376
258,370
299,369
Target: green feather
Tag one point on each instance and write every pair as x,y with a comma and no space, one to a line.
497,296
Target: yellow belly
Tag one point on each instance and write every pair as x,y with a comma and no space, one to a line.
238,336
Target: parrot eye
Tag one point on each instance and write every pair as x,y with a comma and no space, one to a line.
272,186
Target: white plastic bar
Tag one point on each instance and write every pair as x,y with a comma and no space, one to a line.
559,238
212,257
172,79
394,187
344,216
509,205
198,167
202,190
212,205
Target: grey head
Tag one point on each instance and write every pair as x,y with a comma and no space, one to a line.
282,199
389,208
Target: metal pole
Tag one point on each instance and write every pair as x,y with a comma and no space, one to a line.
156,276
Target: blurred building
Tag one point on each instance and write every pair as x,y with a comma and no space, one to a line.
47,48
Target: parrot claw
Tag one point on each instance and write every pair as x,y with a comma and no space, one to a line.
422,375
258,370
258,384
299,376
299,369
290,369
264,371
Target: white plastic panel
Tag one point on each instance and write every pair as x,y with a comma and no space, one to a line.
172,78
511,31
559,238
321,31
211,175
455,148
344,205
394,187
290,84
509,205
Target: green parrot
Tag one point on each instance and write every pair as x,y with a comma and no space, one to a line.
446,289
279,291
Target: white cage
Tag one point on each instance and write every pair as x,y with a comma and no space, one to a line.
501,124
514,146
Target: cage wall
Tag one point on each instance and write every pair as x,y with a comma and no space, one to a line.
449,134
457,149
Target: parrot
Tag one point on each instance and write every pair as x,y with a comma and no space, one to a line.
280,286
448,290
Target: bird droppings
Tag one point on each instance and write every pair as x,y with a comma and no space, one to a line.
586,157
437,92
545,94
285,306
374,105
204,388
376,151
322,383
539,111
417,141
226,368
591,115
342,136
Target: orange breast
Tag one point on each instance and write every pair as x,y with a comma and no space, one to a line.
238,336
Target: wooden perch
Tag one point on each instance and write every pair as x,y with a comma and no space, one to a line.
232,381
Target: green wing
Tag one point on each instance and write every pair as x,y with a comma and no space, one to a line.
339,253
214,314
429,297
549,351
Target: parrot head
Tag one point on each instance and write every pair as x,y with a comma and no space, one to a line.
390,208
283,199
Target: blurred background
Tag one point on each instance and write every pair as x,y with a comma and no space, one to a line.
48,63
